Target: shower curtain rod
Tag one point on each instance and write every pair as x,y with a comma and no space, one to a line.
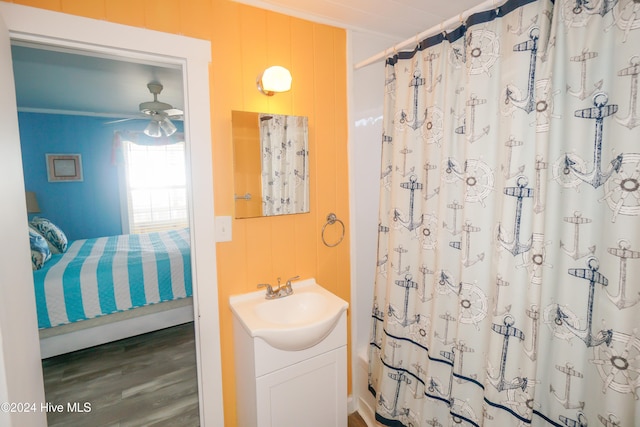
427,33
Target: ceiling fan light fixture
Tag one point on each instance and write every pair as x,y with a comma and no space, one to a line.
160,114
153,129
168,127
153,107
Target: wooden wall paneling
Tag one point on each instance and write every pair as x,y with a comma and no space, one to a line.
302,90
283,247
226,95
195,18
325,147
277,45
278,48
303,66
259,258
342,159
90,8
253,46
127,12
162,15
341,123
55,5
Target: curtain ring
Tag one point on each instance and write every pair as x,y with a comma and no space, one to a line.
332,219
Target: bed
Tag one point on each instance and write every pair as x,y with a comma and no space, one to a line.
108,288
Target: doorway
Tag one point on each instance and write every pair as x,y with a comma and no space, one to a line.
72,102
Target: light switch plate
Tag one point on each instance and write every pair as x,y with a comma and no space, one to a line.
223,229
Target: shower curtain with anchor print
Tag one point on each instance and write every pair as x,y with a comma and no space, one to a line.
508,276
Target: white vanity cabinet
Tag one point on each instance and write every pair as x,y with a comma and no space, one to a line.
280,388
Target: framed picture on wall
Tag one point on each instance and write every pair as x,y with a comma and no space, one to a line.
64,167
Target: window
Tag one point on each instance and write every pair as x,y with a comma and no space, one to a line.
155,187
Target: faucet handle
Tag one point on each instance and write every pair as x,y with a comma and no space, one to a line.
270,293
287,287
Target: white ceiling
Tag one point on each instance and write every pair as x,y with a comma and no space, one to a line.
397,19
57,81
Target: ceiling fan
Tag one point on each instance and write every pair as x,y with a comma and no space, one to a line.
160,113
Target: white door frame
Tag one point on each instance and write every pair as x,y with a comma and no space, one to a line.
193,55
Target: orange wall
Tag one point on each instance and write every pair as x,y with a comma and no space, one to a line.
245,41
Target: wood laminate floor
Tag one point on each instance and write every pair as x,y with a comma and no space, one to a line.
355,420
149,380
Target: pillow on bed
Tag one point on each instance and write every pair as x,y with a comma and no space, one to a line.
40,252
54,236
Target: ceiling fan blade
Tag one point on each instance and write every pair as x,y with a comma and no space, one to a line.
172,112
119,121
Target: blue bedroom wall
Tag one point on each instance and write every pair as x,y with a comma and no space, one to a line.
86,209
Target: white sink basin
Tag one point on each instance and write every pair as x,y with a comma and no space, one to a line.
294,322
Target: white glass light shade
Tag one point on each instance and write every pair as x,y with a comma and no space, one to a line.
168,127
153,129
274,79
160,122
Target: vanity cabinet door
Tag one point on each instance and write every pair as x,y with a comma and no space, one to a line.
311,393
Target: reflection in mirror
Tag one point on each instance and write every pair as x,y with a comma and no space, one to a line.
271,164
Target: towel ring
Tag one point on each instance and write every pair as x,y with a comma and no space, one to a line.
332,219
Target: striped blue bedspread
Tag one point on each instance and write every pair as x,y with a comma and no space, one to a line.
105,275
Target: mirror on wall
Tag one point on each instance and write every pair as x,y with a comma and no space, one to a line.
271,164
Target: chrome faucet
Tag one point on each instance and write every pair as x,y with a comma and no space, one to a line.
270,293
281,291
288,290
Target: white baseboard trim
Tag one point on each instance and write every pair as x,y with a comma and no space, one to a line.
365,399
351,405
367,414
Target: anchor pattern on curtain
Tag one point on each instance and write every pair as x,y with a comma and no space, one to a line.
285,164
507,288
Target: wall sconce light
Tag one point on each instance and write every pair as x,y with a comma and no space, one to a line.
274,79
